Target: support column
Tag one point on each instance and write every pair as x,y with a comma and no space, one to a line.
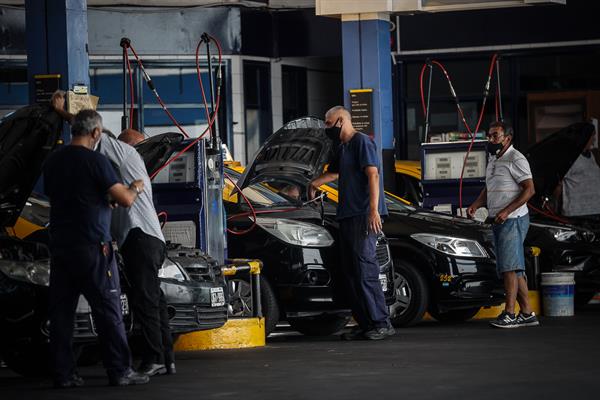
367,65
57,43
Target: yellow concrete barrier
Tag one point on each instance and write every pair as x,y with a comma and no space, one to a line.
235,334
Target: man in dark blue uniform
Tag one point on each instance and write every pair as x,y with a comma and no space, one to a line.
81,183
361,204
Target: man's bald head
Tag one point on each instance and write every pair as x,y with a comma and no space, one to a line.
131,137
337,112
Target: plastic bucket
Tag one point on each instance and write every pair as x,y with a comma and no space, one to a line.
558,294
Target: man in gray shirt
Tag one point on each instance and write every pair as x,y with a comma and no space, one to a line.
142,245
508,188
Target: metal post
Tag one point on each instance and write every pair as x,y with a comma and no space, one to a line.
125,119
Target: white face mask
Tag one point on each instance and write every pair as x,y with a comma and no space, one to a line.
97,144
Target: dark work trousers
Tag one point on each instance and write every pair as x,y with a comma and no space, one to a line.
143,256
361,272
91,271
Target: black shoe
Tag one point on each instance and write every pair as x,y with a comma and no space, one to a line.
151,369
527,320
379,333
505,320
74,381
171,368
129,378
355,334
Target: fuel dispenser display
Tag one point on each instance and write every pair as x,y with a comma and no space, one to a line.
442,165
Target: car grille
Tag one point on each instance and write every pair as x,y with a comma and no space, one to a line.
84,326
383,252
189,317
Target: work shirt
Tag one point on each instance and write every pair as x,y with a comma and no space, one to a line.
142,213
502,179
77,180
350,161
581,188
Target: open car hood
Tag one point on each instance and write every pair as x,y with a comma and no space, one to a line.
27,137
551,159
296,153
156,150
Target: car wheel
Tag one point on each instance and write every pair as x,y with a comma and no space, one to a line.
412,295
320,325
241,301
454,315
27,357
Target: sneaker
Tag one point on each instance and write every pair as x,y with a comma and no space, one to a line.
505,320
527,320
356,333
73,381
128,378
152,369
379,333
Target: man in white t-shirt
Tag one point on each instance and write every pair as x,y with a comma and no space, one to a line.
508,187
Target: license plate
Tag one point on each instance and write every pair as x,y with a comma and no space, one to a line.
124,304
217,297
383,280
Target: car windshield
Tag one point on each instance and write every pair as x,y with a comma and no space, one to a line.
37,210
258,194
392,203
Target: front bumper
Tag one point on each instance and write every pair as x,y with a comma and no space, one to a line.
466,283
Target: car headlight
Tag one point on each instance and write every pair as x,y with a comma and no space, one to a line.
452,245
296,233
171,270
567,234
36,272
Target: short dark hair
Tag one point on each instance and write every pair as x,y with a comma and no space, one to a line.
85,122
505,127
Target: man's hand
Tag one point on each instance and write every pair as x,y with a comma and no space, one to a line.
58,100
471,211
501,217
137,186
374,223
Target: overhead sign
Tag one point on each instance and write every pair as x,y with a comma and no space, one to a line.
361,101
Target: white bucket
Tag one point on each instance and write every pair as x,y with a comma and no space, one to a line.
558,294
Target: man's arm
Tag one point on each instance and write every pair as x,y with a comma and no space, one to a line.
374,222
126,195
527,191
479,202
321,180
58,103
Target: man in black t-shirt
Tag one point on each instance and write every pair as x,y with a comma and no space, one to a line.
81,183
361,205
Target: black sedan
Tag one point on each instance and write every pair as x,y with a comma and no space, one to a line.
442,264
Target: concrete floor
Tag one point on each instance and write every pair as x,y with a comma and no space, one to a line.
559,360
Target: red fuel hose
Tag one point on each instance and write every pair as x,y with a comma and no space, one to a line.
130,89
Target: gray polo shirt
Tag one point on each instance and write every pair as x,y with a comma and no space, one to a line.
502,179
142,213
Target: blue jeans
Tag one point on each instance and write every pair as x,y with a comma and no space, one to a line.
508,240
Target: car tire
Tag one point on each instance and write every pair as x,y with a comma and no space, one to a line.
320,325
454,316
412,295
241,301
27,357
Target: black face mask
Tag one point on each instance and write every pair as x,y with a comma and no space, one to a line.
333,132
494,148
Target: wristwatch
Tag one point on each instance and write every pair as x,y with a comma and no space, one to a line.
135,187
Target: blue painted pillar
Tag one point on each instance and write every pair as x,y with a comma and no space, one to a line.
57,43
367,65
